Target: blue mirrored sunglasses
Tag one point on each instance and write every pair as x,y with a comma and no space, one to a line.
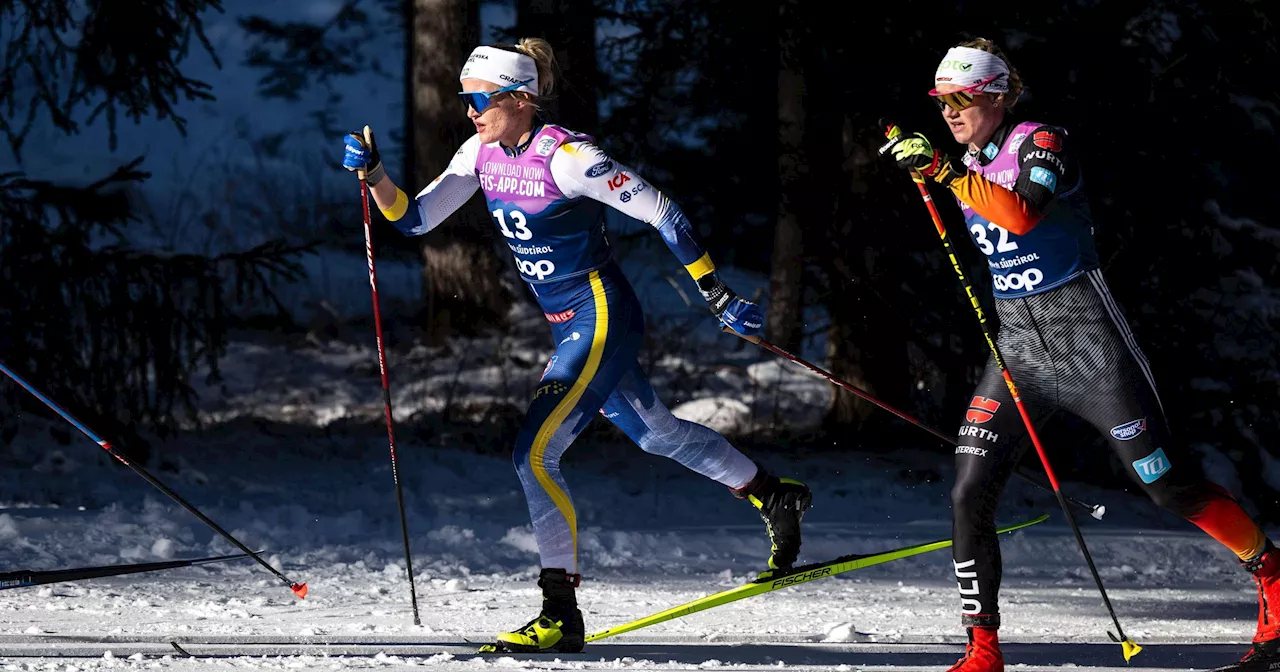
481,100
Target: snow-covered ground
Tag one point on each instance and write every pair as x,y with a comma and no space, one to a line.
295,461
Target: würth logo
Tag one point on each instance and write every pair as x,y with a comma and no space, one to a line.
981,409
1048,140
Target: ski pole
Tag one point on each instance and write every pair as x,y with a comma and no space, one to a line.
26,577
299,589
386,386
1095,510
1131,649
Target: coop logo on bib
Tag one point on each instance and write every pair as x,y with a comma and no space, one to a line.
1027,280
539,269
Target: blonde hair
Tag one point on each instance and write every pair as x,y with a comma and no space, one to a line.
544,58
1015,81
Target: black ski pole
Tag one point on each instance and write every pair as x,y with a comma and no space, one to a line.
299,589
26,577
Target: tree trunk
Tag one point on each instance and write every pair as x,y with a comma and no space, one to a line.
848,361
864,341
462,268
570,27
409,175
785,287
860,319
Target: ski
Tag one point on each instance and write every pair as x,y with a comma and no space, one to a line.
26,577
793,577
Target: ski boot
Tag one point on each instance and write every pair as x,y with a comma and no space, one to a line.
982,654
558,627
1265,654
782,503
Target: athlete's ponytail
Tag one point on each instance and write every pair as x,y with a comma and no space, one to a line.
543,57
1015,81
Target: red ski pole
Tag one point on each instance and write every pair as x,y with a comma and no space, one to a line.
386,386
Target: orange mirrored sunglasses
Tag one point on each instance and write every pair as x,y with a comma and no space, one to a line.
960,99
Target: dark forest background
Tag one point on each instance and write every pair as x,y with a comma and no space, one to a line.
759,118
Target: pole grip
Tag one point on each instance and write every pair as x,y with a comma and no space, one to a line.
368,141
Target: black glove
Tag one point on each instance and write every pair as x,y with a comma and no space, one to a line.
733,311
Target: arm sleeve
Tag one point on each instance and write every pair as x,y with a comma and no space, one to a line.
583,169
448,192
1046,172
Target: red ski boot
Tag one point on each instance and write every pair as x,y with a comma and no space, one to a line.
1265,654
982,654
1266,573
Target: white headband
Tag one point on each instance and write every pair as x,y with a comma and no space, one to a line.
966,66
502,67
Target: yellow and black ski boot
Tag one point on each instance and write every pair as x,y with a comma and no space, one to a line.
782,503
557,629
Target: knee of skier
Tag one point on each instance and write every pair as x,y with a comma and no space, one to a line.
658,441
650,443
1216,490
969,499
1186,500
1170,501
522,457
657,435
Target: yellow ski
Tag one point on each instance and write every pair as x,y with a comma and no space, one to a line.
792,577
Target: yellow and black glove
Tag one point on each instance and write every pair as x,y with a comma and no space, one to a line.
913,151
